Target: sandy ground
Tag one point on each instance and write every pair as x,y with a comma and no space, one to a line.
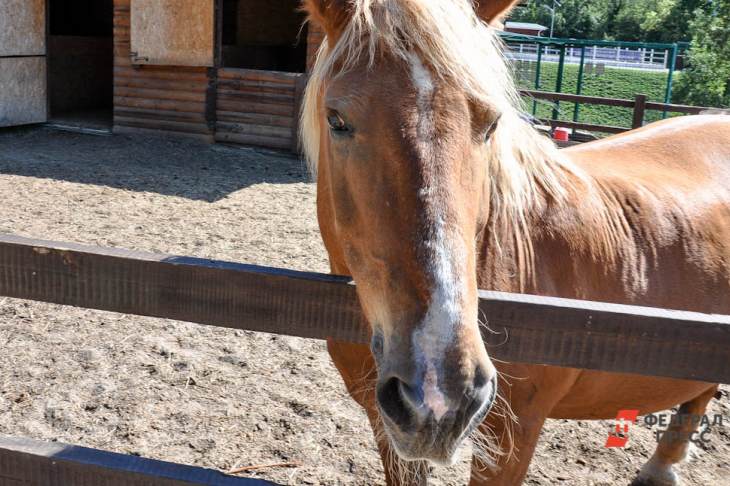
214,397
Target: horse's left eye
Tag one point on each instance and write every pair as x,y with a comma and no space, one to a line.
336,123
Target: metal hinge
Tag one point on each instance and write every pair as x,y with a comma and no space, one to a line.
136,57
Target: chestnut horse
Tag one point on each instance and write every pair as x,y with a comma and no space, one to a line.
431,186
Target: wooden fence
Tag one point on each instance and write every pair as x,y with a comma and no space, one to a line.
523,328
26,462
639,105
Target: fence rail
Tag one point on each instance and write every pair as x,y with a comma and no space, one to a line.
639,105
26,462
523,328
636,58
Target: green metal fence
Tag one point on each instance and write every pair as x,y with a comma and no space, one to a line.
613,69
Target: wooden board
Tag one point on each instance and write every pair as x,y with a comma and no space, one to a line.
258,107
29,462
154,99
22,28
23,90
172,32
531,329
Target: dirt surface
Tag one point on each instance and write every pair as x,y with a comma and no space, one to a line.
214,397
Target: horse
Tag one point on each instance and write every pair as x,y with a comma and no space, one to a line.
431,185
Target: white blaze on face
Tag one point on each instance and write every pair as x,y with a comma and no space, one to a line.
445,257
423,82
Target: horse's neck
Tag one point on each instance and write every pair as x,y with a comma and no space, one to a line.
576,249
609,242
585,249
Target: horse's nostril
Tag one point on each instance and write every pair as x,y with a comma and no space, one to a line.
480,377
392,402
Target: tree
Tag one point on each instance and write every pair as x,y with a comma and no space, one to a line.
575,18
628,20
676,25
706,81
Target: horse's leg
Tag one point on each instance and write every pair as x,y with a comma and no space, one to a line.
511,469
357,367
674,444
532,395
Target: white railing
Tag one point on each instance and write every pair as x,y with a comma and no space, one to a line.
640,58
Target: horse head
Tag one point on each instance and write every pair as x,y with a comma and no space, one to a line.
400,124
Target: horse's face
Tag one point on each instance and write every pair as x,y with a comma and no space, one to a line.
402,199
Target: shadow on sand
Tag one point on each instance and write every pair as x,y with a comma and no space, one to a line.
169,166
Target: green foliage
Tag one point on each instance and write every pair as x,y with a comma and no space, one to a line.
575,18
613,83
706,23
707,79
676,26
627,20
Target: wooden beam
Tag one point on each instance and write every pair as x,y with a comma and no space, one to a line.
597,100
35,463
585,126
639,110
690,110
592,100
523,328
609,337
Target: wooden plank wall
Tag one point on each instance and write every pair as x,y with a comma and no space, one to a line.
167,98
258,107
250,107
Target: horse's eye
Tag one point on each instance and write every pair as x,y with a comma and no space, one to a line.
491,128
336,123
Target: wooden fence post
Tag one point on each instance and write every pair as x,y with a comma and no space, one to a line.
639,109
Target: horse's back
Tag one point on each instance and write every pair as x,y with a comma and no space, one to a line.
669,183
692,150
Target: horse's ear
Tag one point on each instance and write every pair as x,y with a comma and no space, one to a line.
494,12
330,15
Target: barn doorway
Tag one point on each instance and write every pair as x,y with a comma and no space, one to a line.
80,63
264,34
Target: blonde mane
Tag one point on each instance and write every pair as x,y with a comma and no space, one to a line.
524,167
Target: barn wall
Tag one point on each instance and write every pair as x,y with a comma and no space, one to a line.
23,93
244,106
173,32
163,98
258,107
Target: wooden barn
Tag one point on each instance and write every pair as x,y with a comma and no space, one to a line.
220,70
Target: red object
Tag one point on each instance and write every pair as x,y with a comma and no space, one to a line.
561,134
619,436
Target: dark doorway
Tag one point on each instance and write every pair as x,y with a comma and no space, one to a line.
80,62
264,34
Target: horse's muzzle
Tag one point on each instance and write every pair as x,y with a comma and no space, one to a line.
422,430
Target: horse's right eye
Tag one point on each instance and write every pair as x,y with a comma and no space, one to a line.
336,123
